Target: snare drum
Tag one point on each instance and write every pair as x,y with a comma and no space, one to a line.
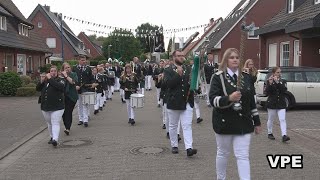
137,100
89,98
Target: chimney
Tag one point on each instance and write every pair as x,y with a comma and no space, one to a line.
47,8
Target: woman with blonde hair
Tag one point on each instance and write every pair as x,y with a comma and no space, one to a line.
71,95
250,69
233,124
129,83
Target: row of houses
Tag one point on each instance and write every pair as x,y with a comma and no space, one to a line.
284,33
29,43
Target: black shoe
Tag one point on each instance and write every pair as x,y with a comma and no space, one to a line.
96,112
50,141
85,124
110,99
199,120
168,136
191,152
285,138
175,150
209,105
159,105
54,143
164,126
132,122
270,136
67,132
123,101
179,138
104,105
100,108
80,123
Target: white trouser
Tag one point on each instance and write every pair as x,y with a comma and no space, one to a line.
117,84
100,101
166,118
186,122
207,93
241,144
110,91
122,94
53,119
272,113
197,108
148,82
83,110
158,95
129,109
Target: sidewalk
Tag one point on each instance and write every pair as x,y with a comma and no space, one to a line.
113,149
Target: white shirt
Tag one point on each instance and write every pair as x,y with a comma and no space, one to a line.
231,73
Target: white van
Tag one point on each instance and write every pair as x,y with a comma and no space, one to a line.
303,85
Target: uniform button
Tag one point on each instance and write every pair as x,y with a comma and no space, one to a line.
223,120
240,114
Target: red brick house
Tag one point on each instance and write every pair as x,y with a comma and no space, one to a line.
292,37
202,41
48,25
21,49
228,33
94,49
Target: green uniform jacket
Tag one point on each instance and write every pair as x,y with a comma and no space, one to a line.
225,119
70,90
178,88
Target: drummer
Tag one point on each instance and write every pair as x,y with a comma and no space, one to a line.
111,81
129,83
99,80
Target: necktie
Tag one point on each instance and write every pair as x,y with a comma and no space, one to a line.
235,77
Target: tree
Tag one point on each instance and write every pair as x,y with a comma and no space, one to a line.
145,34
92,37
122,45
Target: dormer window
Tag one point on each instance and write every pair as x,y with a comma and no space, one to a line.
23,29
316,1
290,6
251,34
3,23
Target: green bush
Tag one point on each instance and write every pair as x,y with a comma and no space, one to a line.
45,68
57,63
31,85
103,62
25,80
72,62
26,91
9,82
94,62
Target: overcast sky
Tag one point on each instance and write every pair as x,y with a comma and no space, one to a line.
131,13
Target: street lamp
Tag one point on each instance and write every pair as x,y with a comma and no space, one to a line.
109,46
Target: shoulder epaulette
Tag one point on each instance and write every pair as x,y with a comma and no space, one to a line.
219,72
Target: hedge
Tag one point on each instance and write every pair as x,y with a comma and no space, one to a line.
9,82
25,79
26,91
30,85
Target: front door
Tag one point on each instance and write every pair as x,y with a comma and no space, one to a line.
272,55
21,64
296,54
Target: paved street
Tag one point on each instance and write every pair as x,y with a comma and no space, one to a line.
113,149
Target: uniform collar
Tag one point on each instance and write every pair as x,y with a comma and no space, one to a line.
232,73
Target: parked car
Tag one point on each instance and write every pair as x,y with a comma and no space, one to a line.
303,85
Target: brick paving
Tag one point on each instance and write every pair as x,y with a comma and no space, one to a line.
114,154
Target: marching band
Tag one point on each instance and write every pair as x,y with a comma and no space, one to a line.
179,89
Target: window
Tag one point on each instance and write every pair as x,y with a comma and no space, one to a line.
30,64
313,76
284,54
51,42
316,1
288,76
88,50
290,6
251,33
298,77
39,24
9,61
3,23
23,29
